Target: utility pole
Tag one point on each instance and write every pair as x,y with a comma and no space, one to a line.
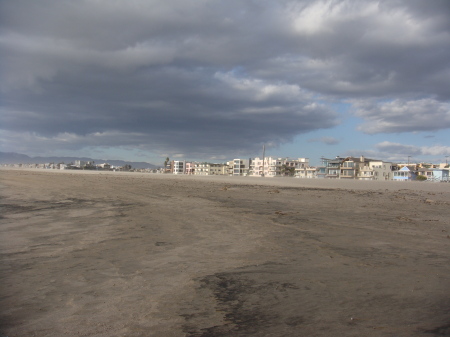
263,157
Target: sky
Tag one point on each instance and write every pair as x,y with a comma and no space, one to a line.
213,80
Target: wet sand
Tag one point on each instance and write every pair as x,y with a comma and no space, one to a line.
115,254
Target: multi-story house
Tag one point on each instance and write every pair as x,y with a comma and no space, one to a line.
190,168
306,172
104,166
426,172
269,167
217,169
260,167
348,168
239,167
440,175
275,167
365,173
201,169
355,168
178,166
207,169
333,168
82,163
405,174
321,170
293,166
365,169
382,170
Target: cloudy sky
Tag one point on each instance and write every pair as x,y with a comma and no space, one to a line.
214,80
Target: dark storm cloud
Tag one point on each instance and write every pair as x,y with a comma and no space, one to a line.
177,109
206,77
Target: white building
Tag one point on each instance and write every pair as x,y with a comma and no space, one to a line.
79,163
209,169
179,167
266,167
105,166
273,166
239,167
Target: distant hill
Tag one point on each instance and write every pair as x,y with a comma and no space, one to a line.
17,158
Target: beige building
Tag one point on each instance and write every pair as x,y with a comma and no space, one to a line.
365,169
356,168
382,170
207,169
306,172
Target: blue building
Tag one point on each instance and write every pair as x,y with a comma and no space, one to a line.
404,174
440,175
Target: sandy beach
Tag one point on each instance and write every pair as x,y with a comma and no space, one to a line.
129,254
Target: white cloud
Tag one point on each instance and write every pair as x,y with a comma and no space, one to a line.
413,150
321,16
403,116
262,90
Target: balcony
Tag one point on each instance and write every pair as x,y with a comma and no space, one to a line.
365,174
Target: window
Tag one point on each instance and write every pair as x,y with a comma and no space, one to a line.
347,172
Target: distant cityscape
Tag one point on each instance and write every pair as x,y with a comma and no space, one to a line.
358,168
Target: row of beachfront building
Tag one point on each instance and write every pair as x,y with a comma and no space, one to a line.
360,168
77,164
